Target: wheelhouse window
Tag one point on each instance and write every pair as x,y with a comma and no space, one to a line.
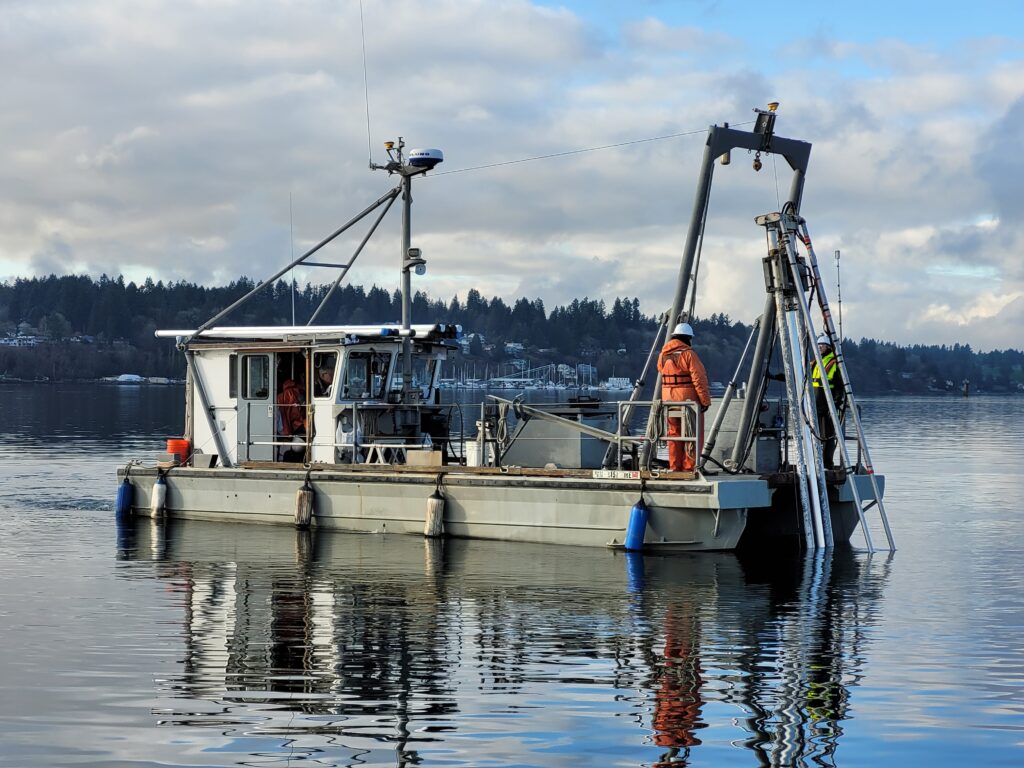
423,367
325,366
256,377
366,375
233,376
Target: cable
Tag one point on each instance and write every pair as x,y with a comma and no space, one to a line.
722,466
452,406
366,85
575,151
462,430
775,170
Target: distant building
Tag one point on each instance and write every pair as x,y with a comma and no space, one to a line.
21,340
467,341
618,382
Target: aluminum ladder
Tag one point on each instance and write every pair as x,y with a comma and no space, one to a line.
788,228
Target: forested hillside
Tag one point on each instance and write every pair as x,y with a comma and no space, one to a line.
74,327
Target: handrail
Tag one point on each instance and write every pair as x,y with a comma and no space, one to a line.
621,437
363,445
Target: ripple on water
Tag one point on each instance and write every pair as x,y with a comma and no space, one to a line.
201,644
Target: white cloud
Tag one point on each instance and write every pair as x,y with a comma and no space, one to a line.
119,150
166,136
983,307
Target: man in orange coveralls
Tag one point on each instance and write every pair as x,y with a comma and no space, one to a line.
683,378
293,409
677,701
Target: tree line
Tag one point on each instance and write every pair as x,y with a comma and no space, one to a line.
105,327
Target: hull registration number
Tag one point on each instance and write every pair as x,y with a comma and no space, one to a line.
616,474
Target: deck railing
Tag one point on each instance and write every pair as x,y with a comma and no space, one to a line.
495,436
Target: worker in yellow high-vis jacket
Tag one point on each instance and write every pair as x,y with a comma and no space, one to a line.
834,381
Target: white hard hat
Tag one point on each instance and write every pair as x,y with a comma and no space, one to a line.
823,339
683,329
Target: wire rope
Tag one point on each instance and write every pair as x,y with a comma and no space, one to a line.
366,85
570,152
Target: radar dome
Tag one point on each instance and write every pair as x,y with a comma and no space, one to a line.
425,158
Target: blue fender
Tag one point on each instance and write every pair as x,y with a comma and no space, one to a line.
123,502
636,530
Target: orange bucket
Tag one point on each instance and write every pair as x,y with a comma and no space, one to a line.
181,448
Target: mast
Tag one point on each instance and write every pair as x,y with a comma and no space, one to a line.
406,283
419,161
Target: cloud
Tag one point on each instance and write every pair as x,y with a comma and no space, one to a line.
189,139
986,316
119,150
1001,165
53,258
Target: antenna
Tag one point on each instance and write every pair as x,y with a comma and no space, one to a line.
839,298
366,85
291,237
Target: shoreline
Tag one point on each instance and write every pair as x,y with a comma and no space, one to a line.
159,381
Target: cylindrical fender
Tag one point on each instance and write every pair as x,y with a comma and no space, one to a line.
636,530
158,500
433,525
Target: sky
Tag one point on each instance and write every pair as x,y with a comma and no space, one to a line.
202,140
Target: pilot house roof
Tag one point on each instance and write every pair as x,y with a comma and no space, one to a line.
436,332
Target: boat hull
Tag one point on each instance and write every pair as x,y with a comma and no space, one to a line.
767,527
684,515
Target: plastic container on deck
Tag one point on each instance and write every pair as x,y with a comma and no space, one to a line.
181,448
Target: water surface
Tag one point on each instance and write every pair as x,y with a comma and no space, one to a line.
201,644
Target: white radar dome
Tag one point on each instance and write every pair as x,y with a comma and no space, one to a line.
425,158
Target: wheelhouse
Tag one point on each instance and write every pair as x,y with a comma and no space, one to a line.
317,394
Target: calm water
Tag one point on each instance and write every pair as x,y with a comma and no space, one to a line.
197,644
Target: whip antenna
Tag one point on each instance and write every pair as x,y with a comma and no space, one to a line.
839,297
366,86
291,237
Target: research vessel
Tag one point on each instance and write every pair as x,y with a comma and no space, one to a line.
344,427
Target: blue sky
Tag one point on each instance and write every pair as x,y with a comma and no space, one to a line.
167,139
929,23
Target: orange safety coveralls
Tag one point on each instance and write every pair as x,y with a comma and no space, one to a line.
293,412
683,378
678,702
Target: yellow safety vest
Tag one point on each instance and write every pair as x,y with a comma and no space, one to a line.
831,364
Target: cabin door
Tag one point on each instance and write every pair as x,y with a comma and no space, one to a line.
255,409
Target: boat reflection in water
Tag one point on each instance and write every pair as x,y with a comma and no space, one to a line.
348,649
